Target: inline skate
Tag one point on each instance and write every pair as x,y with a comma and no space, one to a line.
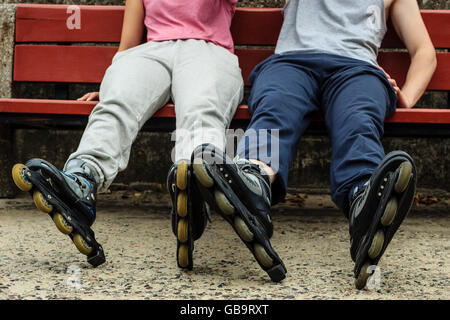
377,210
189,212
240,192
68,197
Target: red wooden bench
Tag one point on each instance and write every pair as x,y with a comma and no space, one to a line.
46,50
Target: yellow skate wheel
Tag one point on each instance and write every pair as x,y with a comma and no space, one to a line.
41,203
403,177
202,175
262,256
361,281
81,245
243,230
222,202
19,179
61,223
377,244
182,175
183,231
389,212
183,256
182,204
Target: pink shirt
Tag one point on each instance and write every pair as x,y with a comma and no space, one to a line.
208,20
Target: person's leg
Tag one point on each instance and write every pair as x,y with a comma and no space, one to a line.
207,88
284,95
374,191
134,87
355,102
240,190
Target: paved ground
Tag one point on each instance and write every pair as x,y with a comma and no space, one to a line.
38,262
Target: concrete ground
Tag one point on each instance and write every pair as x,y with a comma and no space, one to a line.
38,262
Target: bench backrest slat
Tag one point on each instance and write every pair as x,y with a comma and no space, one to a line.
87,64
44,24
251,26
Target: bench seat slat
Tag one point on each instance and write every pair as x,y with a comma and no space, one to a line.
70,107
87,64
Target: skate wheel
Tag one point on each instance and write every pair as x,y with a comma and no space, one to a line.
41,203
182,204
183,230
202,174
62,224
389,212
222,202
243,230
377,245
403,177
183,256
19,178
262,256
361,281
182,175
81,244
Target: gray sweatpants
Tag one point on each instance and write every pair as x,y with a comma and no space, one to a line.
204,81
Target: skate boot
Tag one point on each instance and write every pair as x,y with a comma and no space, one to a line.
189,212
241,194
68,197
377,210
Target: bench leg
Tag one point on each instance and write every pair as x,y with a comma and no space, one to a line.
7,187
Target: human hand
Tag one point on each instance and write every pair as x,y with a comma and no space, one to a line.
402,100
89,96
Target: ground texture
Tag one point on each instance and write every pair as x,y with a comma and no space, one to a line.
38,262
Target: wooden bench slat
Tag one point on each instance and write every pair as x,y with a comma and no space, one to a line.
71,107
48,23
251,26
87,64
438,26
397,64
83,64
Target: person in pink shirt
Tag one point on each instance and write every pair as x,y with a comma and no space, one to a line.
188,58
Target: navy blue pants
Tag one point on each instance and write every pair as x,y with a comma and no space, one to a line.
355,98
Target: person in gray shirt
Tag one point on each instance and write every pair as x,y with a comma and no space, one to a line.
326,59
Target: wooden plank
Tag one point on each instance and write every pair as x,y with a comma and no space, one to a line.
48,23
87,64
256,26
251,26
438,26
52,63
249,58
71,107
397,64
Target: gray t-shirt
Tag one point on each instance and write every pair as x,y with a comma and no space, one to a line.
351,28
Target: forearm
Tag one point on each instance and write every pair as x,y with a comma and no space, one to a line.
423,65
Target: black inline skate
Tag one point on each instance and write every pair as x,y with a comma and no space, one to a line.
189,212
377,210
68,197
240,192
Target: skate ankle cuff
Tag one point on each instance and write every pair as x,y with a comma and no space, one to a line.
81,167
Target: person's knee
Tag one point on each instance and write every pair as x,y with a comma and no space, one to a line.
272,106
